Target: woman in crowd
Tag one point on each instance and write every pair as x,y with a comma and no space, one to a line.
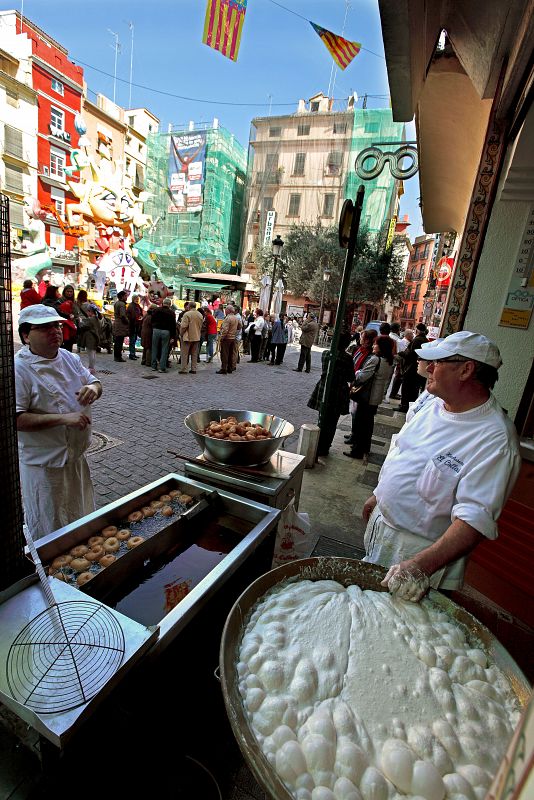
146,336
254,331
360,356
211,334
52,298
338,401
134,312
278,340
374,376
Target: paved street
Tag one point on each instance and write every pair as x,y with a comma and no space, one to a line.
141,413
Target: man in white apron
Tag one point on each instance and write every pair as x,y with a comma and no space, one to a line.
54,392
448,475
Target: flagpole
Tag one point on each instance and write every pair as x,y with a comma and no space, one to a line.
333,74
131,64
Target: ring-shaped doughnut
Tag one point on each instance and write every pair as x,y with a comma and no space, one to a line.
123,535
79,551
106,560
84,577
95,553
135,541
80,564
135,516
111,530
95,541
61,561
111,545
148,511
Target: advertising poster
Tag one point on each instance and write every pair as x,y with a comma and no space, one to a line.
186,172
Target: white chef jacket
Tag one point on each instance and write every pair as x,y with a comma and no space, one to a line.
446,466
49,386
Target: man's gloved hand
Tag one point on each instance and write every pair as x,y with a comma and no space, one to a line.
407,581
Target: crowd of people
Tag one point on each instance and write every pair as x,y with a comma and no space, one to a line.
163,330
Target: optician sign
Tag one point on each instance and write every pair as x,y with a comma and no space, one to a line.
269,227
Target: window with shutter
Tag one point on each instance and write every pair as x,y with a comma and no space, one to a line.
275,132
12,98
271,167
300,161
57,118
12,141
339,127
333,164
14,179
16,216
303,129
294,205
328,205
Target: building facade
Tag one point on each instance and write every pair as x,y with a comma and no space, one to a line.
417,302
141,123
59,86
18,135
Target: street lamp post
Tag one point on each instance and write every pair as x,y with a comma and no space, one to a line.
326,278
277,245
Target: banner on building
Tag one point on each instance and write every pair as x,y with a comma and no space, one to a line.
223,25
269,227
444,271
186,172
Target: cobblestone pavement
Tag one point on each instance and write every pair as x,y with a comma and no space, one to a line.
140,415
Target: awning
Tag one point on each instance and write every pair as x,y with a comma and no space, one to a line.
204,287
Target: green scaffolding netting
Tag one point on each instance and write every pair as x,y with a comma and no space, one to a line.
374,126
178,244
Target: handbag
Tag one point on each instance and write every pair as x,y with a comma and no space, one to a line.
361,392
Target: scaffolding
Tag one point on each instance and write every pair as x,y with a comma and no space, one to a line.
375,127
205,240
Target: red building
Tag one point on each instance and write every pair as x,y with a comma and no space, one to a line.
416,283
59,85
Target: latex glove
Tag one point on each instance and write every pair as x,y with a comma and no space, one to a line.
407,582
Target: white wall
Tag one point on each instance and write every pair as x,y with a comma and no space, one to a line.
490,289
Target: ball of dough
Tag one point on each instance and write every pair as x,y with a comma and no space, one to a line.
148,511
167,511
165,498
84,577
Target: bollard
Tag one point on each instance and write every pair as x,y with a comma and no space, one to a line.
308,441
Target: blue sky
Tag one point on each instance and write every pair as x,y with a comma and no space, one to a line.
281,59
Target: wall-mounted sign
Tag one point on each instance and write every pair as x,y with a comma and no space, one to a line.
59,133
519,302
395,159
444,271
269,227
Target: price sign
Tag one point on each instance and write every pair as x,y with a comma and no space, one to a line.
519,303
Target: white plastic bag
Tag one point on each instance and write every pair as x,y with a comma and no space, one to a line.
293,539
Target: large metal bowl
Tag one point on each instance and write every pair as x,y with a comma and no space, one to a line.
346,571
245,454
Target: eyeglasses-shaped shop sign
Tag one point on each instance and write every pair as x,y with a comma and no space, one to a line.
395,158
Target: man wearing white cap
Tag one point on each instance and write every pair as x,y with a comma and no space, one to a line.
54,392
448,475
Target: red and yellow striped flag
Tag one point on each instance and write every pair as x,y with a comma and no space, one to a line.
223,25
341,50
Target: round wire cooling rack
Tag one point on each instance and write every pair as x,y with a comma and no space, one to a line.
64,656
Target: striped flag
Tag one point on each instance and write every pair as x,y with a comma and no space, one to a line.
341,50
223,26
